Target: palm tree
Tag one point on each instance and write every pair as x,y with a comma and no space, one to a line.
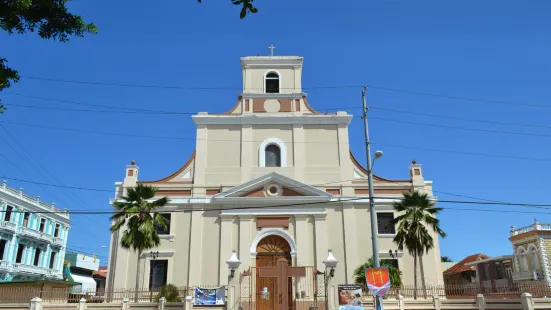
445,259
417,217
139,214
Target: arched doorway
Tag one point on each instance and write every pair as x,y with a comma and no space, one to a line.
269,251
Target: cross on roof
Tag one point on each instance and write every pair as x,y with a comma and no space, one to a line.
272,48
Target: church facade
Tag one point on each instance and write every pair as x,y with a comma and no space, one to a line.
270,179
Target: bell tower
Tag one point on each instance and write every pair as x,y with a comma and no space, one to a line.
272,75
273,84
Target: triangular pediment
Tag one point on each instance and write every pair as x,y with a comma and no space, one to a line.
273,186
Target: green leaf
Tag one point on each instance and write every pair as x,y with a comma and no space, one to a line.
253,10
243,13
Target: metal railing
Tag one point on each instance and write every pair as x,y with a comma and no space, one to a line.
15,294
534,227
57,240
34,234
34,200
527,275
512,290
9,226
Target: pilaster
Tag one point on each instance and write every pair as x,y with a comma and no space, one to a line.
200,161
302,240
226,223
245,239
195,245
247,151
320,231
350,241
12,248
544,260
347,171
299,151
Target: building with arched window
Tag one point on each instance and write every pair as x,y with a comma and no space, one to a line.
531,249
275,181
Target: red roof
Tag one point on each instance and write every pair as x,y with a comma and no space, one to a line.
460,267
102,271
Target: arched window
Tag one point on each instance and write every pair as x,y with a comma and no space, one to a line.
534,257
272,156
271,83
523,260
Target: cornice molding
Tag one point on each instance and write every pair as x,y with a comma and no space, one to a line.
206,119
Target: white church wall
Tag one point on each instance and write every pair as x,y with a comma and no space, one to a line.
322,148
223,139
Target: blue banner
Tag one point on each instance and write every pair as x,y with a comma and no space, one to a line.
209,296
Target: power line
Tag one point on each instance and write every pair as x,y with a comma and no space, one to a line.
463,128
58,185
391,89
130,110
460,118
95,105
413,92
96,111
340,200
462,152
173,86
194,139
124,109
69,195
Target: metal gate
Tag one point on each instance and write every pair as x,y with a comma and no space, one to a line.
306,292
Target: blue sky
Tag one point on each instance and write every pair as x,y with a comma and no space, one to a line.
493,50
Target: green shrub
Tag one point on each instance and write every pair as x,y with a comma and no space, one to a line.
170,292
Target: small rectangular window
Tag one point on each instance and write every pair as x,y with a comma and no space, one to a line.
56,230
37,257
161,230
384,223
42,225
20,251
26,219
7,215
52,260
2,248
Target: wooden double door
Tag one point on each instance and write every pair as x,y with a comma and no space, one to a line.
270,284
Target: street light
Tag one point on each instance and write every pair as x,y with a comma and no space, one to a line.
378,154
233,263
331,263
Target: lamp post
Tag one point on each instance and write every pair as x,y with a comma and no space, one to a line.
378,154
233,264
330,263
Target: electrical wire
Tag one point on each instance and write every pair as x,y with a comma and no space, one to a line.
383,88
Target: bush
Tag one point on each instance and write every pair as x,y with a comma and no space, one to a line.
170,292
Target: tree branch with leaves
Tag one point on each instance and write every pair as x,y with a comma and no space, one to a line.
50,19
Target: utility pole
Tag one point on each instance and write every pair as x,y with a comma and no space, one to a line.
372,214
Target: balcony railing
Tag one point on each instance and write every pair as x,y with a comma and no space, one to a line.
528,275
534,227
7,226
57,240
25,231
